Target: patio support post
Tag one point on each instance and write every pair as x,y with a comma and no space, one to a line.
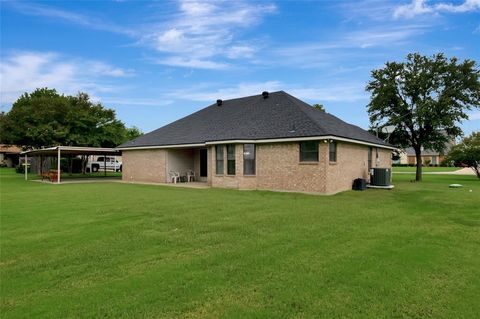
58,165
26,167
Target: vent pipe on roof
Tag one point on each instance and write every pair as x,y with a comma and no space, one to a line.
265,94
219,102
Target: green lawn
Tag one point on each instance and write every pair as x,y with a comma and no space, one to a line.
113,250
64,175
426,169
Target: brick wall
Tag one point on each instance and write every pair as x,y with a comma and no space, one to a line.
144,166
278,167
352,163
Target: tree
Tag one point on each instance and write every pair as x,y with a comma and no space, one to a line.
46,118
319,107
467,152
425,98
132,133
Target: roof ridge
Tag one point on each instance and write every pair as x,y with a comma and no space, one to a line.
300,107
250,96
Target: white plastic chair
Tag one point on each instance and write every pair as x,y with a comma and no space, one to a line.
174,177
190,176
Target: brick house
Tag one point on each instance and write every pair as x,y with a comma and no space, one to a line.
429,157
269,141
9,155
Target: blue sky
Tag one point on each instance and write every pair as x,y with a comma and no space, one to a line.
154,62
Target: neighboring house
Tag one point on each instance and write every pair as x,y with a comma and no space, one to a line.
429,157
9,155
269,141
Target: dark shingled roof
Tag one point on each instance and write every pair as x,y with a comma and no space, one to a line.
253,118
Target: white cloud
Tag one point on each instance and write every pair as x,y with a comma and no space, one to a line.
420,7
348,92
468,5
135,101
192,63
348,47
474,116
25,71
198,34
241,51
204,92
385,37
100,68
96,23
207,30
332,93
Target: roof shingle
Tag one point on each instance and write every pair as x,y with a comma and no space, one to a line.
253,118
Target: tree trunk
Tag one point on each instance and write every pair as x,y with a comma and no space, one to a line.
70,165
83,164
477,171
418,155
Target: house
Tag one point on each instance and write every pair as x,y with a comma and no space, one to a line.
9,155
429,157
271,141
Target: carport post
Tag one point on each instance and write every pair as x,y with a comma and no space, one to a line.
25,166
58,165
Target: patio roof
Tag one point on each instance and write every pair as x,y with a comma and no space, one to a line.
73,150
58,151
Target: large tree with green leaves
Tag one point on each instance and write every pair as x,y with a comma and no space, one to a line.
467,152
319,107
46,118
425,98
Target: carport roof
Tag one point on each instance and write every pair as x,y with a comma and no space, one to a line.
74,150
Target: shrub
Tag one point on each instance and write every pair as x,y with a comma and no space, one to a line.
20,169
76,165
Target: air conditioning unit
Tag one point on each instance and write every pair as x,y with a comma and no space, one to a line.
380,176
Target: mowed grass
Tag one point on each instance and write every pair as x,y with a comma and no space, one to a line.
67,176
114,250
426,169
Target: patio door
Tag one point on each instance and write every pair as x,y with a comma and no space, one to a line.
203,162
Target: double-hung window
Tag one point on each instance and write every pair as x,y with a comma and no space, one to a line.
309,151
231,159
219,159
248,159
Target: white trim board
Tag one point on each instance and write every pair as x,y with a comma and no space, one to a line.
260,141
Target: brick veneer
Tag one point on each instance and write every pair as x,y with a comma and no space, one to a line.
144,166
278,167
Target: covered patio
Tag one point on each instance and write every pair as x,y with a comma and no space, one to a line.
189,164
46,162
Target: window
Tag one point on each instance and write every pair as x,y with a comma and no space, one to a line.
309,151
231,159
332,151
219,159
248,159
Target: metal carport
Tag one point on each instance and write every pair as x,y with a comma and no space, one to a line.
58,151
